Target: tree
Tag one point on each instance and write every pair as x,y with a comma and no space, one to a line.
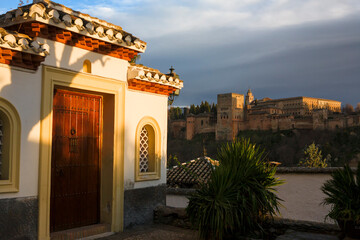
192,109
204,107
197,109
348,109
214,108
176,113
313,157
207,107
357,107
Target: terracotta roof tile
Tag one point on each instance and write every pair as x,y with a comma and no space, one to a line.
151,75
191,173
21,42
55,14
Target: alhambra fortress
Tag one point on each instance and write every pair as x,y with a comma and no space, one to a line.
236,112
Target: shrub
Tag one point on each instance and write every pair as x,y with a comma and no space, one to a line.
313,157
343,194
238,195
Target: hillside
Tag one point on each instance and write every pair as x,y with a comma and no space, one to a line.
286,147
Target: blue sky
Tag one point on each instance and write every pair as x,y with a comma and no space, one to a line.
278,48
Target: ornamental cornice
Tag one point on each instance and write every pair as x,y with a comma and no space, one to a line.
151,75
54,14
23,43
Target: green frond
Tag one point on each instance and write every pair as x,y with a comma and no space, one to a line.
239,193
343,194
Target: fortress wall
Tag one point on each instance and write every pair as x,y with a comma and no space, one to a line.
176,128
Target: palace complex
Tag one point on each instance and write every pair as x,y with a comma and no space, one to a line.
236,112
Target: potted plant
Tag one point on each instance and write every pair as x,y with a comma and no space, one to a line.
343,194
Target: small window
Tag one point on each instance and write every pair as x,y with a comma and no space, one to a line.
87,66
147,150
9,147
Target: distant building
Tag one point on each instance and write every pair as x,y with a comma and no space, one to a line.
192,124
236,112
229,113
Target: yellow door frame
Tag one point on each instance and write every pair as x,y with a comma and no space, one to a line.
59,77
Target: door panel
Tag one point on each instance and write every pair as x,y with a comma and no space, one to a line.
75,164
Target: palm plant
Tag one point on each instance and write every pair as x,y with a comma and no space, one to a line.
343,194
238,195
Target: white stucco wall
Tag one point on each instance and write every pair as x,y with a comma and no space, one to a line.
137,106
301,194
72,58
22,88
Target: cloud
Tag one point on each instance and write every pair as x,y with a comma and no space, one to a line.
153,18
279,48
100,11
315,59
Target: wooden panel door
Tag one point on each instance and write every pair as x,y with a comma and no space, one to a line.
75,162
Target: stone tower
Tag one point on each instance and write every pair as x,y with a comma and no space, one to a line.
249,97
230,112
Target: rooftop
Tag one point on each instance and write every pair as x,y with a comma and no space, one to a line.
191,173
54,14
151,75
21,42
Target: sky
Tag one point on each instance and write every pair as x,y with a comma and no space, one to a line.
277,48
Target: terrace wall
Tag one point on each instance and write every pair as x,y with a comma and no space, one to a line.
301,193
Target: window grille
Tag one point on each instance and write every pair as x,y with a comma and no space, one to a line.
144,150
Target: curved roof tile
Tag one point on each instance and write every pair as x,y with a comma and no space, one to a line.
22,42
55,14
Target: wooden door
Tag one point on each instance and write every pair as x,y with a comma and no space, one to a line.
75,162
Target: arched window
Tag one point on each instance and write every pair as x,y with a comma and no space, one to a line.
87,66
147,150
9,147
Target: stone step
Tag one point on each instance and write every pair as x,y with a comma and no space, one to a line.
81,232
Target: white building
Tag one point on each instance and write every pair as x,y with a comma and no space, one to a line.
82,131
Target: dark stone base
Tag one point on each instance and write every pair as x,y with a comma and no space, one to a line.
19,218
172,216
278,228
139,204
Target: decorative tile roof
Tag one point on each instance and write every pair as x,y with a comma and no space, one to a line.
191,173
22,42
54,14
150,75
20,50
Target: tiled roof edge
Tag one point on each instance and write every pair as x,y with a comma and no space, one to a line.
22,42
153,75
63,17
